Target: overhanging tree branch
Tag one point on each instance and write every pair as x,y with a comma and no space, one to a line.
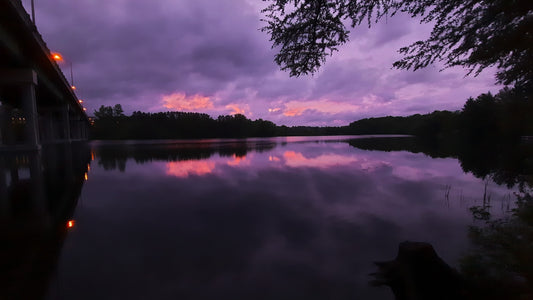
475,34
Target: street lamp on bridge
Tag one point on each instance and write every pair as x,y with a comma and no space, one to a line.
59,58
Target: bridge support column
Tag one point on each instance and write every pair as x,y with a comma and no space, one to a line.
65,112
5,207
46,129
26,80
29,106
39,206
5,122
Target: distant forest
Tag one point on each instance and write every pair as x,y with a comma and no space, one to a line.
504,116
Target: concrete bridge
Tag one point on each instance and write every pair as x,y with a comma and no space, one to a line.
37,104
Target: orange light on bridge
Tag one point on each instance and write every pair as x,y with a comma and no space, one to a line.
84,109
70,223
80,101
86,176
56,56
73,87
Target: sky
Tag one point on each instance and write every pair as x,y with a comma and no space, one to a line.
210,56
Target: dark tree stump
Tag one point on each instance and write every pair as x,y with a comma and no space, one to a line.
419,273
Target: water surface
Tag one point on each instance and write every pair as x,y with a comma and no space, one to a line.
280,218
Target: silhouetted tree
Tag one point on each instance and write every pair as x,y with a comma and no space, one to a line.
503,117
471,33
506,115
118,111
107,121
111,123
104,112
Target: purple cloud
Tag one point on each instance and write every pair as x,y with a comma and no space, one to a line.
139,53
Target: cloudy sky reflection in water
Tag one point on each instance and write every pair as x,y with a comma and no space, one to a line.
302,220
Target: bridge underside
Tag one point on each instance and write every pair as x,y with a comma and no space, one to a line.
37,105
29,117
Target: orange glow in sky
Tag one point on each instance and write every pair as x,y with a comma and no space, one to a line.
180,101
297,108
293,112
185,168
235,109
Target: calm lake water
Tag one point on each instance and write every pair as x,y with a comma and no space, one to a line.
279,218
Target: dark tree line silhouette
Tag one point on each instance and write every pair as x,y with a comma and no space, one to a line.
485,136
175,125
504,117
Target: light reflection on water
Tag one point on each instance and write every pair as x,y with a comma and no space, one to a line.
287,218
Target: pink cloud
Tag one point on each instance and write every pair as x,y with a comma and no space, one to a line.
297,108
238,109
232,62
293,112
180,101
